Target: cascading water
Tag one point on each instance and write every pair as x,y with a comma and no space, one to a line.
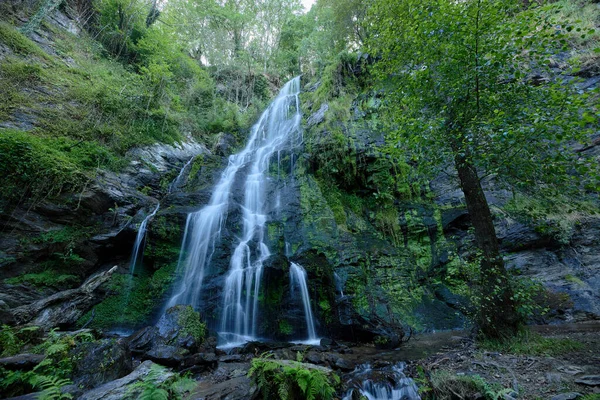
391,385
136,254
277,129
177,182
298,281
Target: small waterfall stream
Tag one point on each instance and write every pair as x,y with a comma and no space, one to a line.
177,182
298,281
138,249
386,384
277,129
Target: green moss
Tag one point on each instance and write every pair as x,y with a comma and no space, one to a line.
554,216
46,278
20,43
529,343
333,197
191,324
31,162
132,300
285,328
574,279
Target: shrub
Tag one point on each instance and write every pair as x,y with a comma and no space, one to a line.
279,379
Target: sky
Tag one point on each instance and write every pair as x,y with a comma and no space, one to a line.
308,4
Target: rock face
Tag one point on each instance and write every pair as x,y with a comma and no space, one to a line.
80,233
99,362
62,308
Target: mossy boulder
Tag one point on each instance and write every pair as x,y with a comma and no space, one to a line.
178,334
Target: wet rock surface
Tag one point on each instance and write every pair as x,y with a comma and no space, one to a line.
126,387
99,362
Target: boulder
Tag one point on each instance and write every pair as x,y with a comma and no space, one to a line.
178,334
132,385
171,356
181,326
21,361
100,362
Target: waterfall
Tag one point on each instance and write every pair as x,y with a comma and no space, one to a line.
298,280
339,284
391,385
175,184
139,240
275,130
141,235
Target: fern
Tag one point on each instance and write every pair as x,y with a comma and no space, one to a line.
154,393
51,387
277,380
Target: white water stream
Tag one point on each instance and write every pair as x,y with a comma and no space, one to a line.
277,129
138,248
298,281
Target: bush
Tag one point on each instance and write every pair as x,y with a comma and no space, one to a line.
278,379
31,166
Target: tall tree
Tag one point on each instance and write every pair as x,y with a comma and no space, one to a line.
458,80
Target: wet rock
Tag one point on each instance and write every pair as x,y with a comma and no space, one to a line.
566,396
232,358
126,387
201,361
314,358
172,340
174,327
144,339
589,380
261,347
100,362
344,365
225,144
21,361
238,388
319,116
65,307
171,356
326,342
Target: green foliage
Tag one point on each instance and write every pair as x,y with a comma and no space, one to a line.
47,278
291,381
19,43
10,343
154,387
285,328
51,387
52,373
555,216
30,165
191,324
592,396
446,386
75,118
530,343
131,300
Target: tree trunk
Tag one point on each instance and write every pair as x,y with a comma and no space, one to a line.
497,316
